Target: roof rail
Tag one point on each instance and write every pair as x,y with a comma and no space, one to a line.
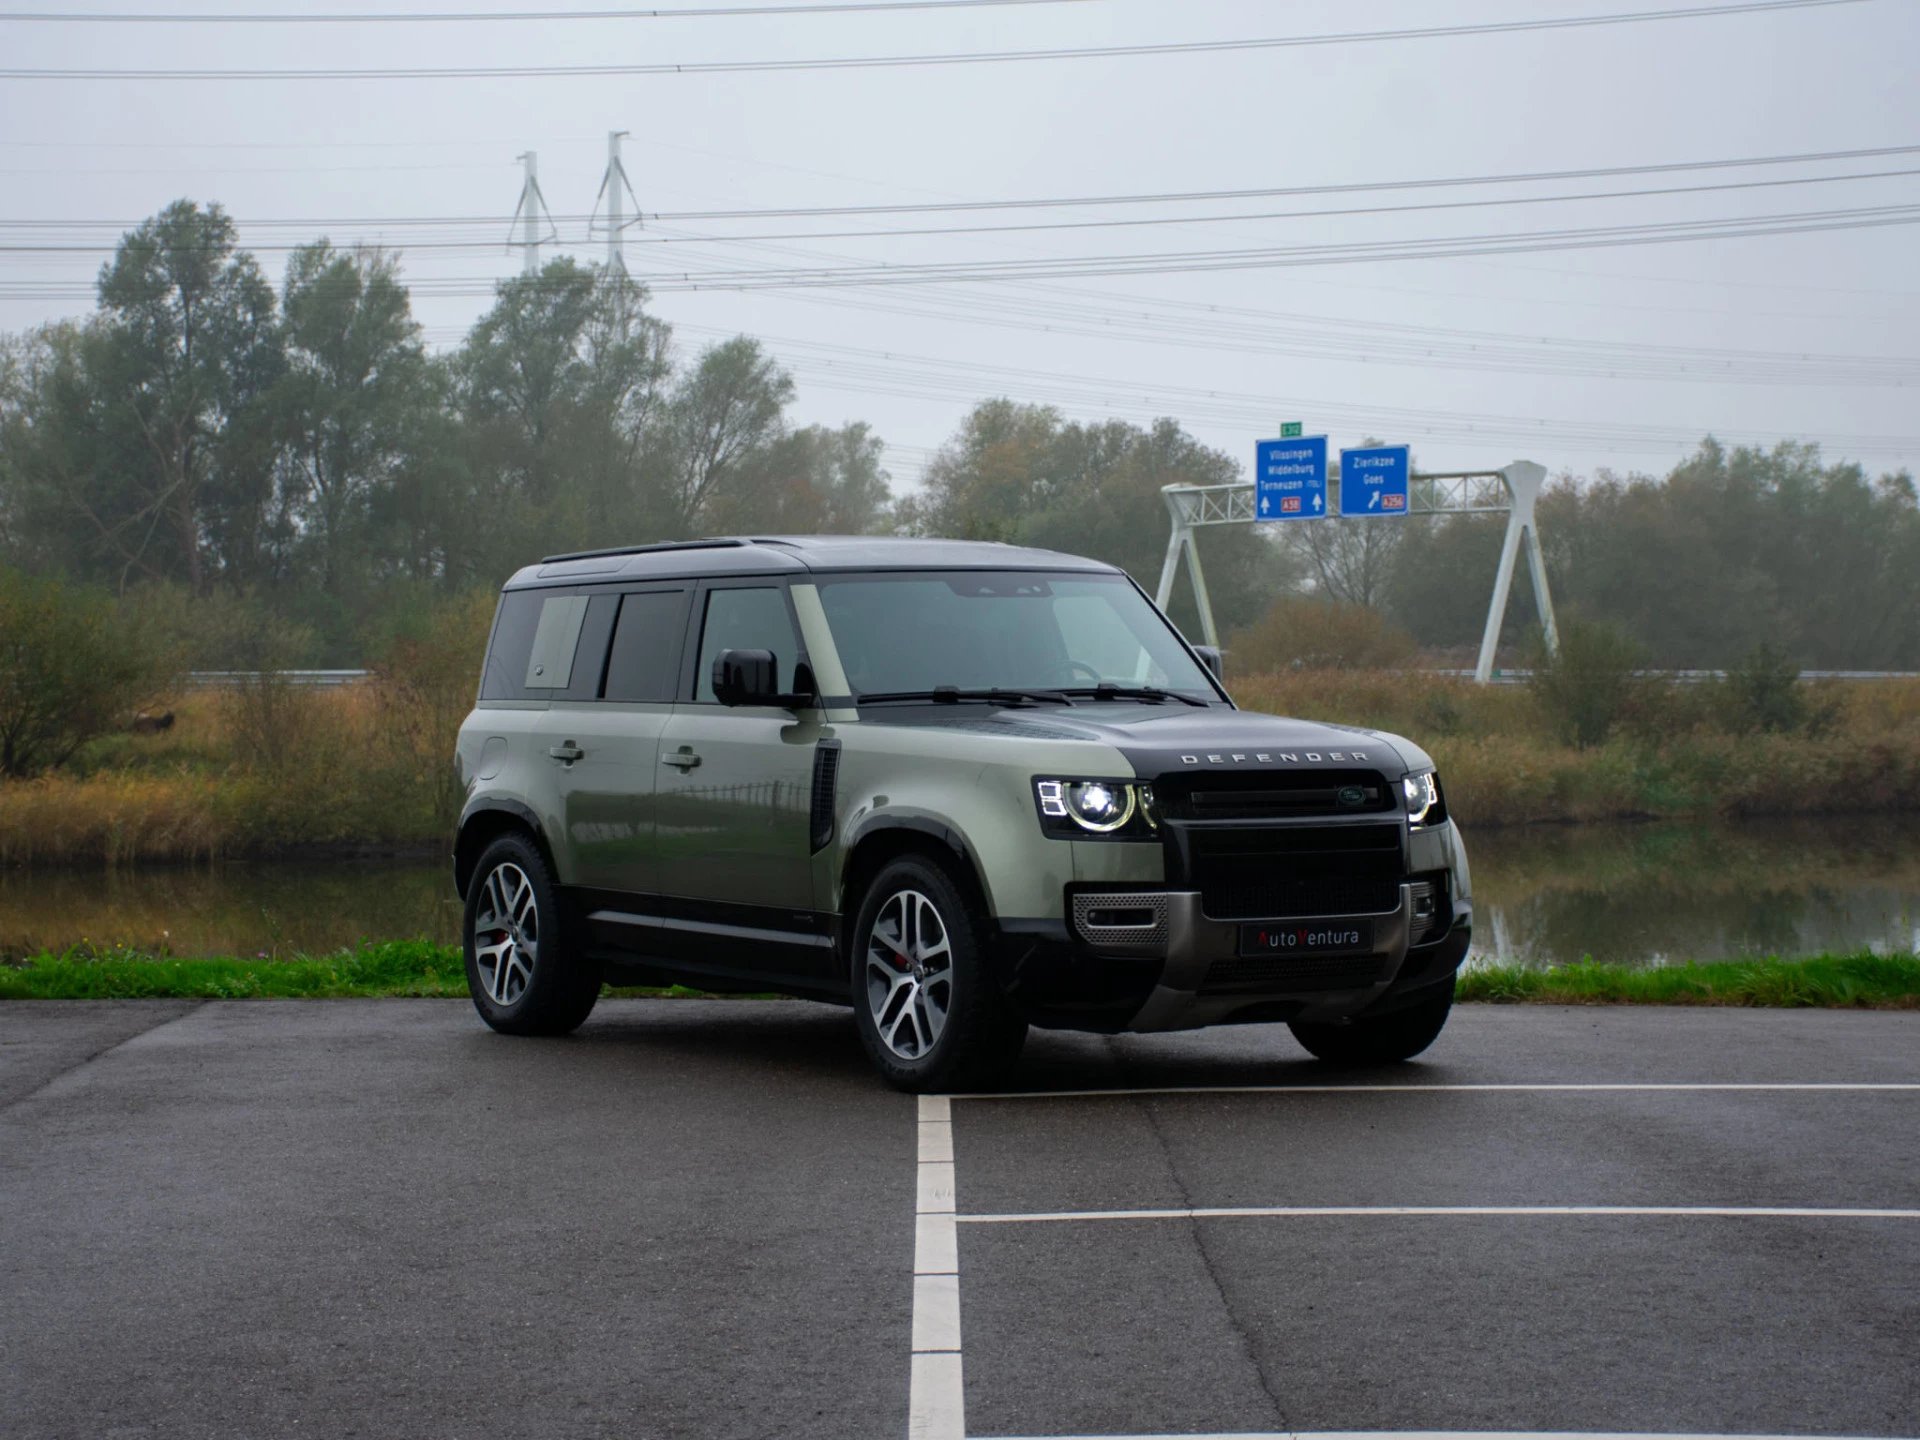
642,549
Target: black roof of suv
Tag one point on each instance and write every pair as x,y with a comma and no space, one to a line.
774,554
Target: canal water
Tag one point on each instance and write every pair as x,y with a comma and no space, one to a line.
1638,894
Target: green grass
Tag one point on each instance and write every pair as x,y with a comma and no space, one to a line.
418,968
395,968
1862,981
400,967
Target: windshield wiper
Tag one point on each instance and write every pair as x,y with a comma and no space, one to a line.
1105,691
954,695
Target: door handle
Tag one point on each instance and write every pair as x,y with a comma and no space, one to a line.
566,752
681,759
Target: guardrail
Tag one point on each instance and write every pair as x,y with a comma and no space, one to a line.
1692,677
320,679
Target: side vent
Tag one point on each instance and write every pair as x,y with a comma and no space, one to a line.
826,770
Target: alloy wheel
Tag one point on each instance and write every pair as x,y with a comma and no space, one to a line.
909,974
506,933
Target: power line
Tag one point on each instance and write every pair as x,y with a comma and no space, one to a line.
1311,337
866,62
1189,261
1292,191
1144,198
1139,221
921,376
412,17
1134,222
1201,261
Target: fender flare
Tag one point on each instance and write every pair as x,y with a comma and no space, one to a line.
494,805
880,822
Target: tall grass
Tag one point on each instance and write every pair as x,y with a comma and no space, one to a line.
1685,750
370,766
268,767
209,788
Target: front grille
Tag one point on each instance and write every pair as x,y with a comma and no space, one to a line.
1274,795
1289,973
1292,871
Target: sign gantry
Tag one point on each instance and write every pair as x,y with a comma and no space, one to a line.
1511,491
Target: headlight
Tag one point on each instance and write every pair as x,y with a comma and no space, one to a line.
1118,809
1424,806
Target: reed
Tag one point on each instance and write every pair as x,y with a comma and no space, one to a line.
370,765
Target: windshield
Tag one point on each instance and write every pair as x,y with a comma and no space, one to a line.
1010,629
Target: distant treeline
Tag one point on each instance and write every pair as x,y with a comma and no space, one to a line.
301,452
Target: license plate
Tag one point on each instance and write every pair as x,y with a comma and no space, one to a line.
1319,937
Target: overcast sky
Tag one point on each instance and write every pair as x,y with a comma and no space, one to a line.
1577,358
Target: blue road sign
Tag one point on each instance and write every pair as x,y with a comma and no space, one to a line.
1290,478
1373,481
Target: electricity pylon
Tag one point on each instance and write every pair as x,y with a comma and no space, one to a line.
615,188
530,214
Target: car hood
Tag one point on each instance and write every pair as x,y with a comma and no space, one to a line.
1164,739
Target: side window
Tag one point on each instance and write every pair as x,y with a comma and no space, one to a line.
747,619
646,643
534,637
555,637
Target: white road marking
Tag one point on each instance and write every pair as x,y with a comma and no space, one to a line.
936,1245
1415,1089
936,1313
1437,1435
937,1409
1309,1212
936,1396
936,1186
936,1141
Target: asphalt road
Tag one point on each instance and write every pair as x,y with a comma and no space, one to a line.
698,1219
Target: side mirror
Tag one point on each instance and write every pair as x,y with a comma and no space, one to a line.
746,677
1210,657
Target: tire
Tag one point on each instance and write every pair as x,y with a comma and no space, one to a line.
525,976
929,1013
1384,1039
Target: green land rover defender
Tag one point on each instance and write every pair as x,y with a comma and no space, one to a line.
963,788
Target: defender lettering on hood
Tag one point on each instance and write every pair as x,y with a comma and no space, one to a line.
1283,757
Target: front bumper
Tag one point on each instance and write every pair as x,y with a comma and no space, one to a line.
1153,960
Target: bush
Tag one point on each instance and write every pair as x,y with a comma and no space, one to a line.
1301,632
68,671
1763,693
1589,685
425,683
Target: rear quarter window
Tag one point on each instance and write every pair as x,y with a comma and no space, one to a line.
535,637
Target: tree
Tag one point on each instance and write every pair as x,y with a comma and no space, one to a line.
1352,560
68,672
349,402
726,410
1588,684
1021,473
187,350
563,393
812,481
